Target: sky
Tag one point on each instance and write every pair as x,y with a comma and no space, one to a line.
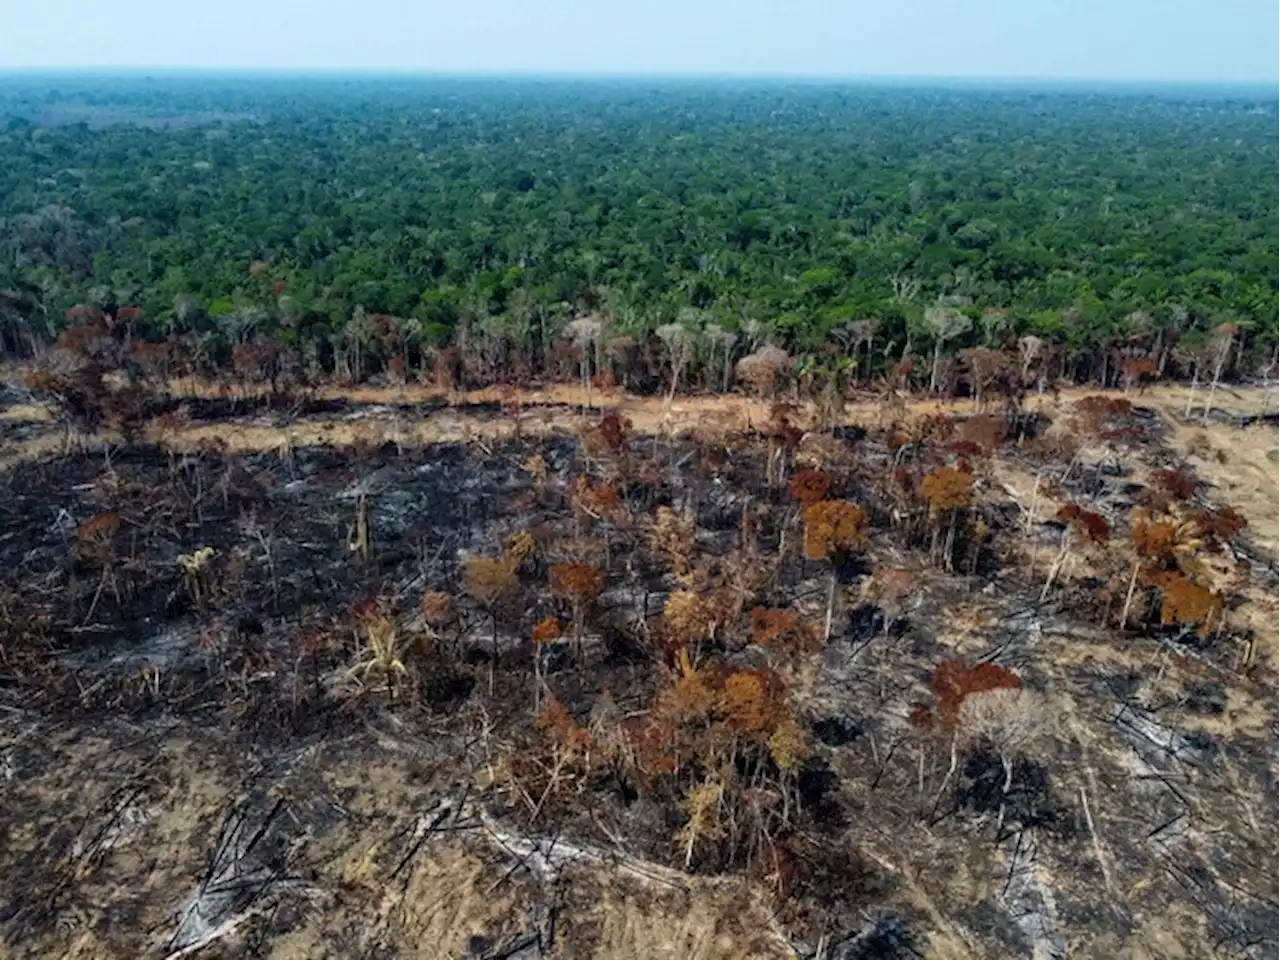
1127,40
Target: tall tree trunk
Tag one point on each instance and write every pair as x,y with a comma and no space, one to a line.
1128,600
831,605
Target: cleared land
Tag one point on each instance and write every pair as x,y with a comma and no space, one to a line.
195,762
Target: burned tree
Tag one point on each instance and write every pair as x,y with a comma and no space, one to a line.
578,585
833,529
948,491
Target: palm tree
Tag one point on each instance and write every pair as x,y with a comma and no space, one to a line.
357,335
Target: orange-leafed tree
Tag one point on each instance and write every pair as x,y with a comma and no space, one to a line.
1169,554
833,529
577,584
1185,603
491,583
948,491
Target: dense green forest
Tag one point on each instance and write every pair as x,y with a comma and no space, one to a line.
859,222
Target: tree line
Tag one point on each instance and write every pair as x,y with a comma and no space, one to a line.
656,235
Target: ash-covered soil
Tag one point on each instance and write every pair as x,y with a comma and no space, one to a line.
204,752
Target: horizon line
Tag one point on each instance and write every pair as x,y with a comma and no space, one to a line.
392,72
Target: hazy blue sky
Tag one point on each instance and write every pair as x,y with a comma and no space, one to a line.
1226,40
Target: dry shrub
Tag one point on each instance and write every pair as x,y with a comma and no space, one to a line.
1185,603
488,580
788,744
1219,526
690,617
1167,541
833,527
983,432
705,729
520,549
1178,484
536,467
769,627
746,704
1089,526
577,584
615,431
99,529
1108,418
384,650
1155,541
672,540
760,370
437,608
891,589
781,423
821,451
595,499
781,629
809,486
554,721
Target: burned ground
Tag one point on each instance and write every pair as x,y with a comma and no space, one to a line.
232,723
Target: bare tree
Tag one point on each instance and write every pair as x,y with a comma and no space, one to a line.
946,322
585,334
1220,347
679,341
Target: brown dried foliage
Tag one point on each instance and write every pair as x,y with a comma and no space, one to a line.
488,580
1178,484
554,721
575,582
1087,524
615,430
984,432
770,627
1155,541
833,527
947,489
437,608
547,630
1110,418
809,486
1184,602
98,529
673,540
1220,525
596,499
954,680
